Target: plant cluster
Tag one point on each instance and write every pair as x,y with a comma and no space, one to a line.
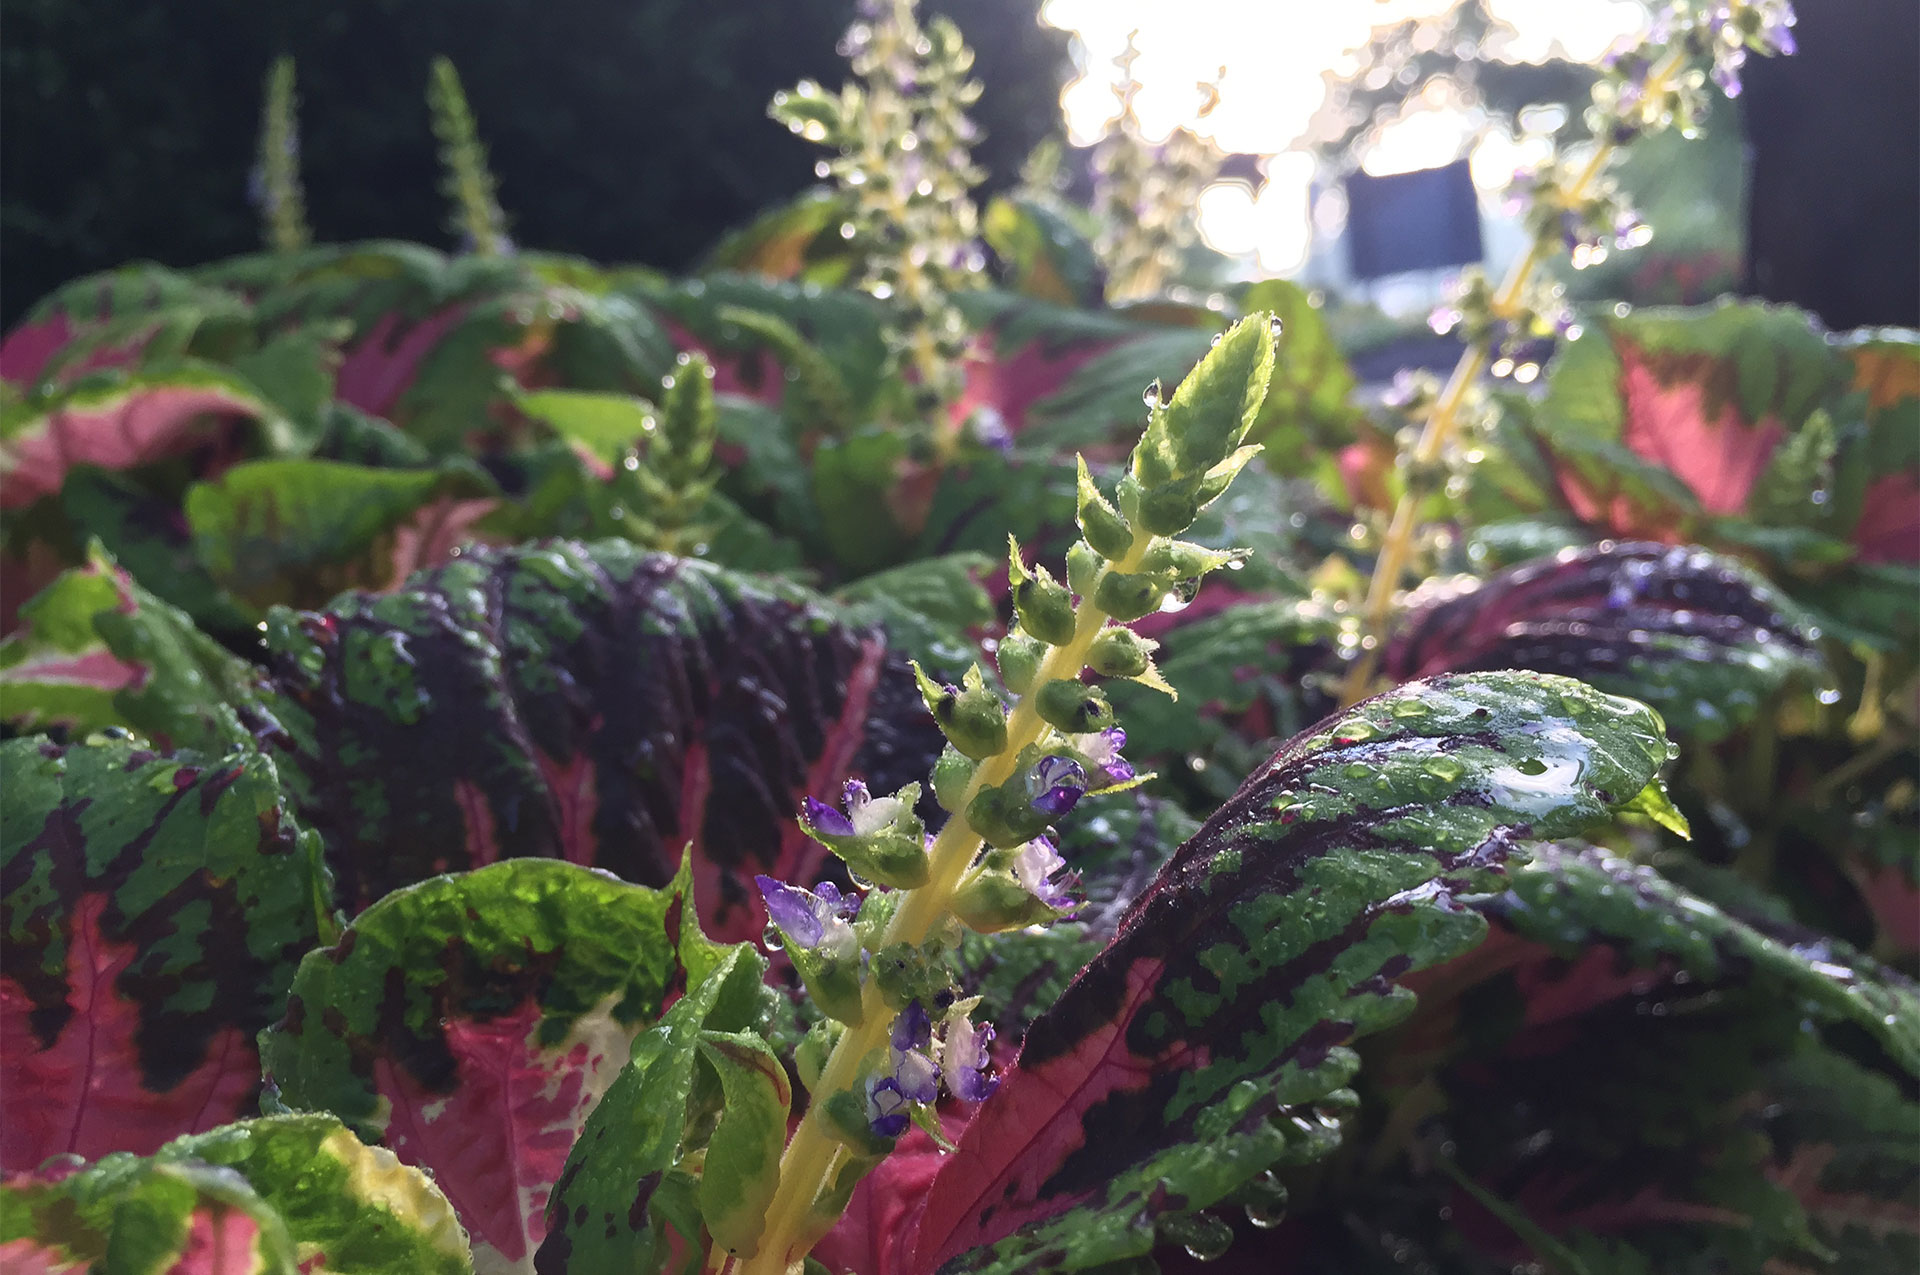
516,764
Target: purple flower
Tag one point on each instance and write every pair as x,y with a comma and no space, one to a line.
812,919
1056,783
865,814
911,1055
886,1107
1102,751
964,1058
1034,864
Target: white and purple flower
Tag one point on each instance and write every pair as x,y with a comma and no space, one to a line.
865,814
965,1054
1034,865
813,920
1056,784
1101,749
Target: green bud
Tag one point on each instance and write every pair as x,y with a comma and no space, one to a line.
893,859
1120,652
1169,508
994,901
845,1116
1128,596
1019,658
1043,603
810,1057
1084,566
952,772
1004,816
832,980
973,718
1100,522
1217,402
1183,560
1073,707
905,973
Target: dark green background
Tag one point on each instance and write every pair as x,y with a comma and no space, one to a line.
627,130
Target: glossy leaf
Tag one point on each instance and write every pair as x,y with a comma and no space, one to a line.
118,421
471,1022
155,908
1700,637
625,1201
1572,898
296,532
1270,940
272,1196
98,651
742,1164
604,426
595,704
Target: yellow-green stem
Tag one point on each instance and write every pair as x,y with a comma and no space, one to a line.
813,1155
1445,417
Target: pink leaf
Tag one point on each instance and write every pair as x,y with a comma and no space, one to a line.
84,1094
377,372
1719,455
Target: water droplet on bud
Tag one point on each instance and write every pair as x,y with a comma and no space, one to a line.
1276,327
1151,396
771,938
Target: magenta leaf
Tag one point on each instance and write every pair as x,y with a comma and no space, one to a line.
155,908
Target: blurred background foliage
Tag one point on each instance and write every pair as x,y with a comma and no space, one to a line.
625,130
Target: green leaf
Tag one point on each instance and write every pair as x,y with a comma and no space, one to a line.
304,1184
1044,254
300,531
1267,943
96,650
1306,409
742,1165
605,426
471,1022
624,1194
1572,897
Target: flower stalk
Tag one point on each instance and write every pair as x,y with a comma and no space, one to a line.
1648,87
1006,777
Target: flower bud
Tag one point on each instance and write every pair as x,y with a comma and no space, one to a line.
994,901
1184,561
1130,595
952,772
1043,604
973,719
810,1057
1120,652
1073,707
1084,566
1100,522
1019,658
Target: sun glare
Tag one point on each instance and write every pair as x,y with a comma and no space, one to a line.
1270,59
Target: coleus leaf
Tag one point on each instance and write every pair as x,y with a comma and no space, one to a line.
591,703
118,421
155,906
1041,251
1700,637
99,651
1267,942
1844,1146
272,1196
1572,897
472,1021
624,1201
296,532
1712,404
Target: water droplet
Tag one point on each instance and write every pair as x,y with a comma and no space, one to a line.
1151,396
846,230
1829,695
772,938
1217,337
1276,327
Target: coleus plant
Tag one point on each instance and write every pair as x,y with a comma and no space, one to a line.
477,850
